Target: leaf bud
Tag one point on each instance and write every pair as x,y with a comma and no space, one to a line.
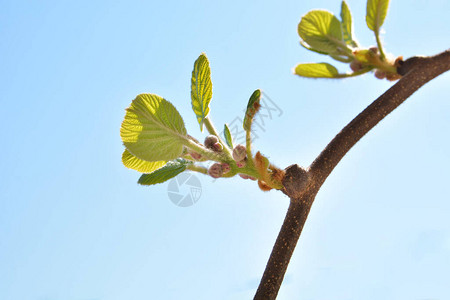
210,141
264,186
356,66
195,155
215,170
239,153
226,168
398,62
392,76
217,147
380,74
374,49
241,163
244,176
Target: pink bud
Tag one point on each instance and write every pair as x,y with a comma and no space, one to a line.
217,147
210,140
195,155
241,164
355,66
226,168
215,170
239,152
380,74
243,176
374,49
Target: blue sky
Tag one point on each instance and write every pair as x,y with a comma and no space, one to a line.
74,224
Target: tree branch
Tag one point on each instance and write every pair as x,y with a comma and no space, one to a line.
296,183
418,71
302,186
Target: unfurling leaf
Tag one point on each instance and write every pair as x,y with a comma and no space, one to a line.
227,135
252,108
376,13
347,26
321,30
316,70
170,170
201,88
153,130
143,166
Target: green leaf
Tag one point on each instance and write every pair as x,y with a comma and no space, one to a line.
201,88
376,13
227,135
252,108
307,47
319,70
321,30
347,26
132,162
153,130
170,170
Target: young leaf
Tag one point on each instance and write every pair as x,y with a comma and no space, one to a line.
170,170
153,130
201,88
307,47
132,162
321,30
252,108
347,26
316,70
376,13
227,135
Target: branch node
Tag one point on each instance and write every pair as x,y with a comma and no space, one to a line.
295,181
405,66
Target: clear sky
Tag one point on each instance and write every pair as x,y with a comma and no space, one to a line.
75,225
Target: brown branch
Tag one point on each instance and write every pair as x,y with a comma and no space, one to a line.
302,186
418,71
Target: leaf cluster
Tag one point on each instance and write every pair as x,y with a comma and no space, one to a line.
322,32
157,144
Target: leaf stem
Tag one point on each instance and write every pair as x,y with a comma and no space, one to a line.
380,46
197,168
212,130
360,72
205,152
248,146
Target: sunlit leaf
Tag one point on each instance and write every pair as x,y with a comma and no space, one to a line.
307,47
347,26
316,70
321,30
153,130
143,166
201,88
376,13
227,135
170,170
